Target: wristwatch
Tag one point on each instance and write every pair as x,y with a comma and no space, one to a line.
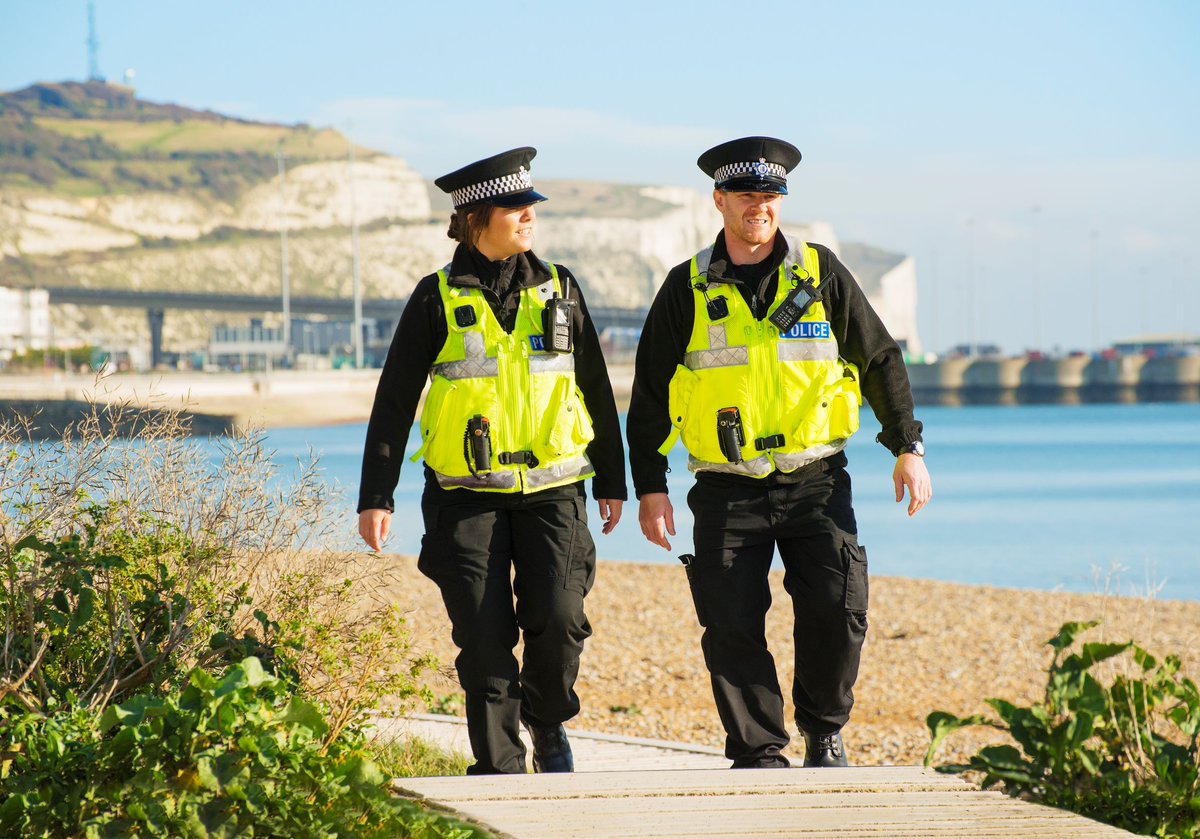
915,447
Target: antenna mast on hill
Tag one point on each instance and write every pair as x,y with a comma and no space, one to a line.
93,46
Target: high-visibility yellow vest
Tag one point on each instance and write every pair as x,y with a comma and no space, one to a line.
798,400
538,425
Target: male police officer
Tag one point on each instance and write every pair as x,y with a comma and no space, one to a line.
757,352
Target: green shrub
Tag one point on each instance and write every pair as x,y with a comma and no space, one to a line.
230,757
184,647
1125,752
124,563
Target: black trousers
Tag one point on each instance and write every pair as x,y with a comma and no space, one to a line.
509,564
738,525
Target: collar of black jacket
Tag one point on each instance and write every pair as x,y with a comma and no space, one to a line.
471,269
720,269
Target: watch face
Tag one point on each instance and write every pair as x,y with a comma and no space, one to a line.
916,447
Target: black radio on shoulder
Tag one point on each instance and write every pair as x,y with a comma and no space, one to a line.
556,324
793,308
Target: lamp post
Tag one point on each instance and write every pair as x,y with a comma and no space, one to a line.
357,285
970,288
1036,298
283,257
1094,236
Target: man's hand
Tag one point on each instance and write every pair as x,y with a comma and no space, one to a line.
373,527
910,472
657,518
610,513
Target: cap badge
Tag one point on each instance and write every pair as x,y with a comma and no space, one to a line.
761,169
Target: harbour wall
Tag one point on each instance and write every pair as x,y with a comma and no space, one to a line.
1017,381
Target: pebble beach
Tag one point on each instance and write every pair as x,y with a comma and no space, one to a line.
930,646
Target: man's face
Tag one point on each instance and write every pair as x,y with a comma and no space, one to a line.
750,217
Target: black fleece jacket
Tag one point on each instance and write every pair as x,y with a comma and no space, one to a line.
862,340
418,340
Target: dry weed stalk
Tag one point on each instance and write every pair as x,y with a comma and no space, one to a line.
254,557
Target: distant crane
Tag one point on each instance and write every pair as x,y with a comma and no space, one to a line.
93,46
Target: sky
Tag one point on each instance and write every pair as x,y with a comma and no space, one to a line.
1040,161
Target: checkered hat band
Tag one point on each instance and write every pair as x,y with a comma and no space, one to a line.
516,182
758,168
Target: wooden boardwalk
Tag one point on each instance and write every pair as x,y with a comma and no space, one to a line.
645,789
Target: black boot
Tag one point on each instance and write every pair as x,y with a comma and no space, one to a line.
824,749
771,761
551,751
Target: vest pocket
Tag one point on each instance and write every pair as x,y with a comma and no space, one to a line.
843,409
566,427
833,416
679,400
431,415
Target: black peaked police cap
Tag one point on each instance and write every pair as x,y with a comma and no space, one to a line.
502,180
750,164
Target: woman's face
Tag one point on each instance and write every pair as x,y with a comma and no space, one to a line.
509,231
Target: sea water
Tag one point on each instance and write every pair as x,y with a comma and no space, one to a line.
1080,498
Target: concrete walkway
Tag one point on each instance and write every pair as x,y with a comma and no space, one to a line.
646,789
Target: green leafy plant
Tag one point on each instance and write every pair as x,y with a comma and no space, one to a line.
184,648
126,561
239,755
1124,750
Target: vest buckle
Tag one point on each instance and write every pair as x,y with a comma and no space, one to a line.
521,458
775,441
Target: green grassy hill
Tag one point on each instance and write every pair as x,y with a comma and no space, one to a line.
79,139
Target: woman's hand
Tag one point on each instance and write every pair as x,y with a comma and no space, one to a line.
373,527
610,513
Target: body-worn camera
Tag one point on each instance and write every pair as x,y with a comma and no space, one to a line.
718,308
464,316
730,434
479,444
556,324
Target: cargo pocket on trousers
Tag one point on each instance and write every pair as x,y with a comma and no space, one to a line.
855,557
581,559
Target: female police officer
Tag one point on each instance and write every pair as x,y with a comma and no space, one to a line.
519,412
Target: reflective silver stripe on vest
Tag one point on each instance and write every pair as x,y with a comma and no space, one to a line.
703,260
761,466
485,480
577,468
726,357
574,469
792,462
552,363
476,365
798,350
